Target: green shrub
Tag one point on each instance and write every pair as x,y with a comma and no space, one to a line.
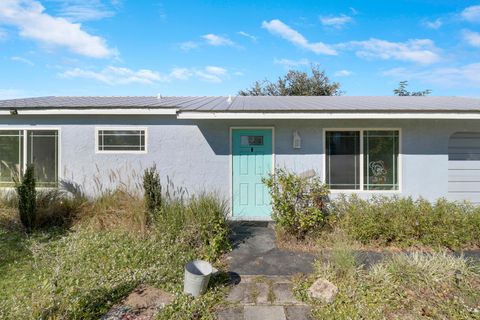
152,192
27,199
406,222
299,203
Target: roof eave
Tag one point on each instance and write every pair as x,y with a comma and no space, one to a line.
330,115
90,111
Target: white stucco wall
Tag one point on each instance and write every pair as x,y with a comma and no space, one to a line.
196,154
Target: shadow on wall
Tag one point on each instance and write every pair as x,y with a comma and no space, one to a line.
217,135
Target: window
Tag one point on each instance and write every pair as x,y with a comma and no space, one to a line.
18,148
362,159
343,159
380,149
251,140
11,155
121,140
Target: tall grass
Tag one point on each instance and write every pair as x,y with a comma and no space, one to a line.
200,221
104,249
404,286
405,222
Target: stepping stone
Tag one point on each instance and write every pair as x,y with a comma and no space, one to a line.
238,293
264,313
298,313
234,313
284,293
260,291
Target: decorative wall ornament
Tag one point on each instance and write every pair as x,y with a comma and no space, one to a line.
379,172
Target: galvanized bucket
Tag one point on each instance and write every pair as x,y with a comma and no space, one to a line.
197,275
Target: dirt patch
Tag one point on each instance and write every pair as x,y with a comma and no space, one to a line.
143,303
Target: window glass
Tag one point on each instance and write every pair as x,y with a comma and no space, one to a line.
11,155
251,140
343,159
42,152
121,140
380,153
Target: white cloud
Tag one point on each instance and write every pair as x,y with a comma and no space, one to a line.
282,30
84,10
343,73
247,35
216,70
472,38
121,76
213,74
116,75
22,60
436,24
291,63
33,23
180,73
457,76
422,51
188,45
216,40
471,14
336,21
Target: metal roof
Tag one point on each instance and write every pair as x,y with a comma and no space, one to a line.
255,103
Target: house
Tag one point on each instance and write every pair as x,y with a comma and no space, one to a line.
408,146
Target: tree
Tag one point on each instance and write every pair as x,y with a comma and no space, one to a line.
402,90
296,83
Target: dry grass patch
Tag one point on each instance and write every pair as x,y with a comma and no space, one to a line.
403,286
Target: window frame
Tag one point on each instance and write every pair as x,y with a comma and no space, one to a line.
127,128
361,164
25,144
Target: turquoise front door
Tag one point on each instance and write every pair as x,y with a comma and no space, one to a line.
252,161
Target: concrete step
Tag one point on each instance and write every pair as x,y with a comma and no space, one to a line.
263,290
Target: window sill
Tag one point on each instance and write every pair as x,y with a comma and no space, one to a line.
121,152
364,191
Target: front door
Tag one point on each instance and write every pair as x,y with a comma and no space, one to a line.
252,161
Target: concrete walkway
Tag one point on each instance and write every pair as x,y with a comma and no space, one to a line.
264,298
262,274
255,252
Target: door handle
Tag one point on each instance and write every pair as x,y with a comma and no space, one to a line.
252,149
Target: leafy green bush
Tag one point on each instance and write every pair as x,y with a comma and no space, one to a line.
27,198
152,192
299,203
405,222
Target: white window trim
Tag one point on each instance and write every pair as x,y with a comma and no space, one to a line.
59,149
132,128
362,190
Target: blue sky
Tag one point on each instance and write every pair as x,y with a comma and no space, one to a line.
127,47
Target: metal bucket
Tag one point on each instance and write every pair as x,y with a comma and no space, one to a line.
197,275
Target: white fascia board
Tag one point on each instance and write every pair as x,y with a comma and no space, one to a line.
318,115
94,111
